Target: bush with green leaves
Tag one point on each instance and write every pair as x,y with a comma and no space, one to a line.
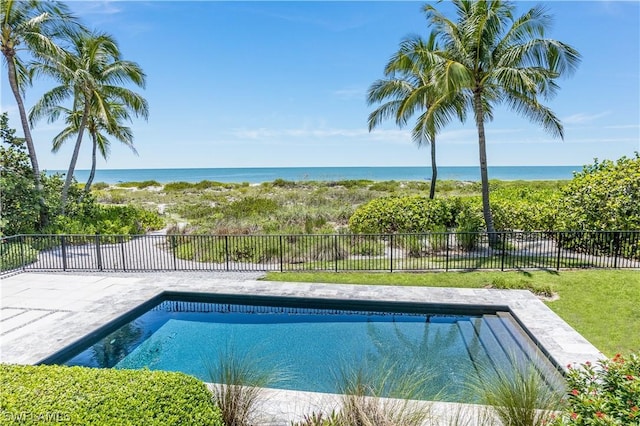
34,395
15,254
19,206
605,196
607,393
108,220
414,214
139,185
253,249
469,222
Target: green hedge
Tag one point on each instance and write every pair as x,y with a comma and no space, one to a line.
43,395
391,215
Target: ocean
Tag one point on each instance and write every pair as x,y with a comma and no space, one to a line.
268,174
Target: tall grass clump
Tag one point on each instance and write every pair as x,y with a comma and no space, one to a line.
238,385
383,395
518,395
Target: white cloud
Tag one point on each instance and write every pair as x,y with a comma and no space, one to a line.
624,126
350,93
582,118
104,7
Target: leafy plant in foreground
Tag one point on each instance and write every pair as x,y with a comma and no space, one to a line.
607,393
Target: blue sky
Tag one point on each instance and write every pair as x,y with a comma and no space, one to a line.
274,84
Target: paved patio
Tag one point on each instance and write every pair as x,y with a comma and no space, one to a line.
42,313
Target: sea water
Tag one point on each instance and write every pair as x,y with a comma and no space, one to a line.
268,174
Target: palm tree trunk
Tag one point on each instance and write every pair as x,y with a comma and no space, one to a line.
74,157
25,122
484,176
434,168
87,186
11,66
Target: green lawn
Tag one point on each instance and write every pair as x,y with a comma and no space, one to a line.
602,305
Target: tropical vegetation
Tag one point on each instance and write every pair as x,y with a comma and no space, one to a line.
21,209
44,38
33,28
412,87
607,393
490,56
91,75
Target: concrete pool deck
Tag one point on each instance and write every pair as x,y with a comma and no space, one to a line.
42,313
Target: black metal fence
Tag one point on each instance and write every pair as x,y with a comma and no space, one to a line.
390,252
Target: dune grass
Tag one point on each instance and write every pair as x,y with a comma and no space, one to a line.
602,305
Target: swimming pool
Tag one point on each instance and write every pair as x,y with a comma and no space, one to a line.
315,343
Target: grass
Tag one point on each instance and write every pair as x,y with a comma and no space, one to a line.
305,206
238,381
602,305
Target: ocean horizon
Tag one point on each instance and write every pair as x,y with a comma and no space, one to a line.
327,174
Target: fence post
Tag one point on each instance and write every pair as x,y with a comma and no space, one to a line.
391,250
335,251
446,258
22,261
124,258
63,246
559,250
173,251
226,251
281,255
98,254
504,249
616,242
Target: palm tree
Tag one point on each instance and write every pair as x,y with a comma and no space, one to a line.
490,57
412,86
32,26
91,74
99,128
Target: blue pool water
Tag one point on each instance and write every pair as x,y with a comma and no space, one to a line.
315,349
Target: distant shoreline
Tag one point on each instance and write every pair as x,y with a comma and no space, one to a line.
325,174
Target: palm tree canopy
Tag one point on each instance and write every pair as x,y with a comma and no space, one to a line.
411,88
99,126
93,74
93,71
506,59
33,26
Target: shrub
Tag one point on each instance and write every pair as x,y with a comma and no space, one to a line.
178,186
99,186
414,214
319,248
281,183
469,223
108,220
607,393
384,186
366,246
80,396
249,206
412,243
220,249
139,185
15,255
605,196
351,183
438,239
